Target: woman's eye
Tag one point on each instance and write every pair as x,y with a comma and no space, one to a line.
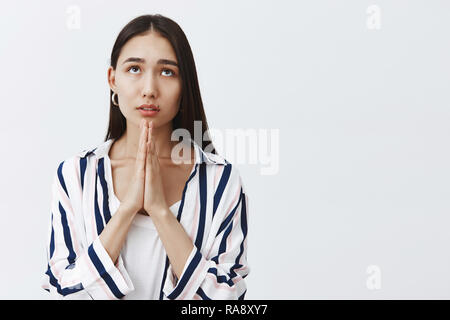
133,67
171,72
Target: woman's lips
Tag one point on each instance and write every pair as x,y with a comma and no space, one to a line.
148,113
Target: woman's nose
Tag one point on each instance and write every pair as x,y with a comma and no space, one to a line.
149,86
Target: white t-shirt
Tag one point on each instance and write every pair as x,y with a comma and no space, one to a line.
144,256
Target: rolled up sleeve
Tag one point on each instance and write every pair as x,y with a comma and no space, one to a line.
220,274
75,271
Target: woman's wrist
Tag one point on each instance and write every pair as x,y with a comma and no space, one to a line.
127,209
162,215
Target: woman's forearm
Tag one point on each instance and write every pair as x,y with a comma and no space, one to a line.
115,232
175,240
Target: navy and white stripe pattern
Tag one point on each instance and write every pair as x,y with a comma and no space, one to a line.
213,212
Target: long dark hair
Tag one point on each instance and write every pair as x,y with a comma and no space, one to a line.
191,103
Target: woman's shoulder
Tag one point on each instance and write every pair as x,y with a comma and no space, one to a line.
99,150
80,158
227,172
70,171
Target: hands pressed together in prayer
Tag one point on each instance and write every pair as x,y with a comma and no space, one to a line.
146,190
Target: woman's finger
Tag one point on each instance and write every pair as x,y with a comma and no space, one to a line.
142,149
153,156
149,137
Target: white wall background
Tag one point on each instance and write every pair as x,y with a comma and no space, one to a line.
363,116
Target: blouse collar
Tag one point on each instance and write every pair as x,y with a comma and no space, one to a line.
200,155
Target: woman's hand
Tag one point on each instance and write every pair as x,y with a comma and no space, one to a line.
154,198
134,199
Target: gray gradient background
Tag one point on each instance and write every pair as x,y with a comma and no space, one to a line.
363,115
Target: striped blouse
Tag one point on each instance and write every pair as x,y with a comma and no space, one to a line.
213,211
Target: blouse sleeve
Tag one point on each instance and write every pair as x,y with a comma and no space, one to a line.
76,270
220,273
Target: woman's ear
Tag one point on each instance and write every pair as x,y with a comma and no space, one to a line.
112,78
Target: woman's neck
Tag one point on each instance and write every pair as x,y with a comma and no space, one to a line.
127,146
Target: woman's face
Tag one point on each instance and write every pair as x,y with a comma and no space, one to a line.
147,78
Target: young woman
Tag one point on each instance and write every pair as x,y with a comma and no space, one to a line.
129,222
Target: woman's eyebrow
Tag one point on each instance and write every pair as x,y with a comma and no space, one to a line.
160,61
